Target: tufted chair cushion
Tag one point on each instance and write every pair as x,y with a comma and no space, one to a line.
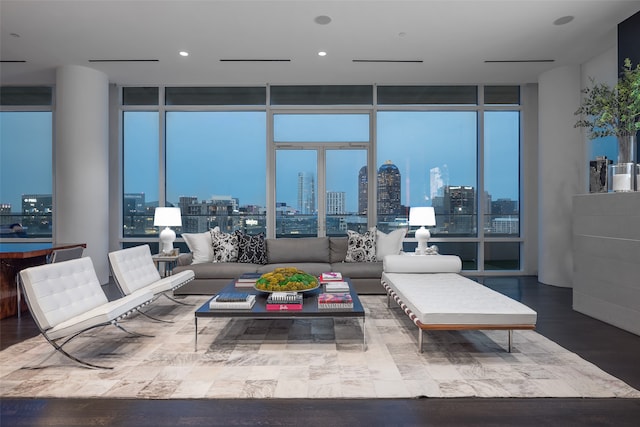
61,291
133,268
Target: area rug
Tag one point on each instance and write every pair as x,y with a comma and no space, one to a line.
309,358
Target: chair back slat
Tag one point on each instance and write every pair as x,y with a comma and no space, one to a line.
60,291
66,254
133,268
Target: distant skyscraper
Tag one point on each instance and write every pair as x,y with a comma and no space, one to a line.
34,204
336,202
460,208
389,189
306,193
363,191
436,182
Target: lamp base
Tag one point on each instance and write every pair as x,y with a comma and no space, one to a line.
423,235
167,237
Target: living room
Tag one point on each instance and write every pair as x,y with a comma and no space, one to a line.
379,45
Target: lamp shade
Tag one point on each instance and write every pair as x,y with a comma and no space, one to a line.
167,217
423,215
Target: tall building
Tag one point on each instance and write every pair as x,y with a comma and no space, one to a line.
336,202
389,189
363,191
306,193
460,209
438,178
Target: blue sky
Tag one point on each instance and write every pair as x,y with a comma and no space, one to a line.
223,153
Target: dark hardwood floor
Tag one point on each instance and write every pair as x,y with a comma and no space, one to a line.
613,350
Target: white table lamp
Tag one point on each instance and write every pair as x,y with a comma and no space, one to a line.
422,216
167,217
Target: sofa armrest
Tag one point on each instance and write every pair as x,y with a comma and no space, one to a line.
185,259
421,264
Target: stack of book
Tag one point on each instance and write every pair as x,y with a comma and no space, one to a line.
336,287
335,300
284,301
247,280
233,301
330,276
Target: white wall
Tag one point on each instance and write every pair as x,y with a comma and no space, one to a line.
81,168
561,169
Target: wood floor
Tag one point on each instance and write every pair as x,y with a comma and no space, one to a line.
612,349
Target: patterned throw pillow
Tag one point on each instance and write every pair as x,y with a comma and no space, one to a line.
361,247
225,247
251,248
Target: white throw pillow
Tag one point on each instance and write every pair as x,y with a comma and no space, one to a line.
389,244
200,246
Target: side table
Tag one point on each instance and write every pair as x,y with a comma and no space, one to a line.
167,261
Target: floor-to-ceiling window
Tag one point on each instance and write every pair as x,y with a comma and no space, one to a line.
318,159
26,179
293,161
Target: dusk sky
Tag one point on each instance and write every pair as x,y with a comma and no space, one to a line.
223,153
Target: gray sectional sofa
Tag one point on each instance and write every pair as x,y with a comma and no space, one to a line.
313,255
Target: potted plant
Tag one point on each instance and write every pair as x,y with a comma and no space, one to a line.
607,111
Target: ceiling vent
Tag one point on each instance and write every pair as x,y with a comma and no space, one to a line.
507,61
124,60
414,61
255,60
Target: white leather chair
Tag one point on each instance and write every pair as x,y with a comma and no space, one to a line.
133,270
66,299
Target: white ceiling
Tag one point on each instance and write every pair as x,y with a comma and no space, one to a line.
453,38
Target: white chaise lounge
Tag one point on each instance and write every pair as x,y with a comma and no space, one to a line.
66,299
133,269
435,297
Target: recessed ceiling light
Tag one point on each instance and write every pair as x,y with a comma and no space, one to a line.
322,19
184,53
563,20
322,53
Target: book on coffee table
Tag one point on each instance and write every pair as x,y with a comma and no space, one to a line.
335,300
331,276
247,280
336,287
233,301
284,301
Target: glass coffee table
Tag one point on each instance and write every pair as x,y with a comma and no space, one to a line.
258,311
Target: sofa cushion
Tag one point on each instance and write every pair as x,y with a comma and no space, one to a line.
219,270
291,250
389,244
358,270
225,247
338,248
362,247
200,246
251,248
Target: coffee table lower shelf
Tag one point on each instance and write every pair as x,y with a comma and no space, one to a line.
258,311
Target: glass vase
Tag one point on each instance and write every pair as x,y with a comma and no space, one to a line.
621,177
626,149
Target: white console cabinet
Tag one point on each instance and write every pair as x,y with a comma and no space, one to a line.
606,255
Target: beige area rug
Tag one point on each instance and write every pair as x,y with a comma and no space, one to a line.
312,358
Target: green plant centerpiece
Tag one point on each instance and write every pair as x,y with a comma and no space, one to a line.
614,111
286,279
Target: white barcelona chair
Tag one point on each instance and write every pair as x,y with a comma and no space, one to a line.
66,299
134,270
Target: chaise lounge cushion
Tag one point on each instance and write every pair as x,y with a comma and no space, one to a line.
451,299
